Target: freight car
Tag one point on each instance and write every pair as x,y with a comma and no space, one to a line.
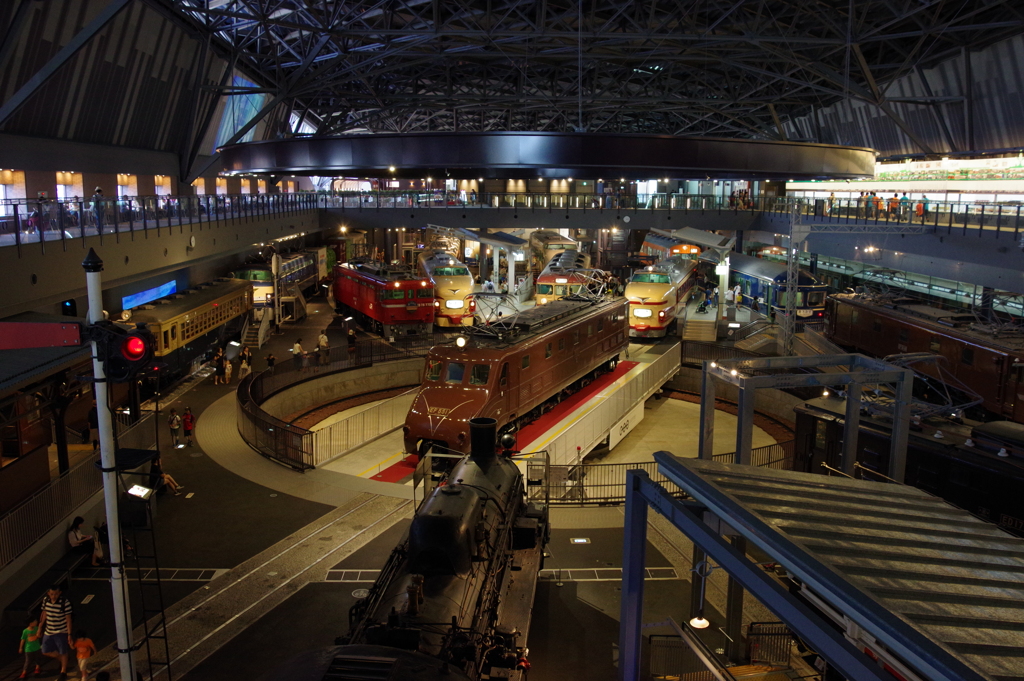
978,358
767,279
980,469
454,600
550,352
187,325
561,278
453,288
657,295
387,299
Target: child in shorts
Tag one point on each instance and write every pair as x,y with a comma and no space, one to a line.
31,642
85,649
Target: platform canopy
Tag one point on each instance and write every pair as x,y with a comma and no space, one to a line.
496,239
707,240
935,586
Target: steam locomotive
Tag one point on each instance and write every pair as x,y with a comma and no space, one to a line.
548,351
455,598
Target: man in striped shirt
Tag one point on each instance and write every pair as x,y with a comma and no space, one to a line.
55,623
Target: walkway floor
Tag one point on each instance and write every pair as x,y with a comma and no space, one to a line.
269,546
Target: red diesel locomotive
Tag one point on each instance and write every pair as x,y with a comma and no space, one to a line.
387,299
558,349
984,362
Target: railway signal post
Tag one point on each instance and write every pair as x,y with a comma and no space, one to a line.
93,266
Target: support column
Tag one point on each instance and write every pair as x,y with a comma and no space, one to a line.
512,273
851,429
698,557
634,550
496,274
707,415
987,299
745,426
900,428
735,649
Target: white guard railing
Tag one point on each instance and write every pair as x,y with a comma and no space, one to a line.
341,437
594,426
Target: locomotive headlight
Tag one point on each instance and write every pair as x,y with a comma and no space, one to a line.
543,301
437,303
461,341
661,315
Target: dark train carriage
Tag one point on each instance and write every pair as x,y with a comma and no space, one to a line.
559,346
388,299
989,366
974,478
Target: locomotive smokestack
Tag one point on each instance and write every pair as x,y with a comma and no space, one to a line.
483,433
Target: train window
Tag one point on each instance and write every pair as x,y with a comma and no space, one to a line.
904,335
876,326
167,339
526,361
590,330
456,371
174,332
480,374
935,344
856,316
433,370
544,289
815,298
503,379
547,351
426,293
600,324
576,337
561,343
967,355
821,436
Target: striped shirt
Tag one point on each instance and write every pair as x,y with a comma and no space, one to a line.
56,615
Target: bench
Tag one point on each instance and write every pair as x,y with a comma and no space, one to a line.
31,599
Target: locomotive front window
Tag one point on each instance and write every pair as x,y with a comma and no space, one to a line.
559,290
392,294
426,293
544,289
480,374
650,278
815,298
433,370
451,271
456,371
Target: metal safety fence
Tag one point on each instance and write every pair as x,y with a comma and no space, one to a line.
913,214
26,221
341,437
289,444
29,521
605,484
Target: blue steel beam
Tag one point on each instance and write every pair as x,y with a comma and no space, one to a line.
822,636
926,656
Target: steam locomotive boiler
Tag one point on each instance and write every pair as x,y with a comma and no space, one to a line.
455,598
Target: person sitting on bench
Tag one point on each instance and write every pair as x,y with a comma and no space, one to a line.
84,543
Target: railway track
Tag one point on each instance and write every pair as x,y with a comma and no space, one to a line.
204,621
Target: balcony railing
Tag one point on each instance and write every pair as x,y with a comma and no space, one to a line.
25,221
947,216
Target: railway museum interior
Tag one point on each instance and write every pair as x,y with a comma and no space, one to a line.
613,341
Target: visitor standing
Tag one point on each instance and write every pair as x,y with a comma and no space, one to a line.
188,423
297,354
174,423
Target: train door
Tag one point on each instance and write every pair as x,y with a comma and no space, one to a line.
508,397
1013,402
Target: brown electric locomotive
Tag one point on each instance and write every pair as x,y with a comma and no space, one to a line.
548,352
989,365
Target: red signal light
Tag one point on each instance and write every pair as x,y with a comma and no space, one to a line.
133,348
